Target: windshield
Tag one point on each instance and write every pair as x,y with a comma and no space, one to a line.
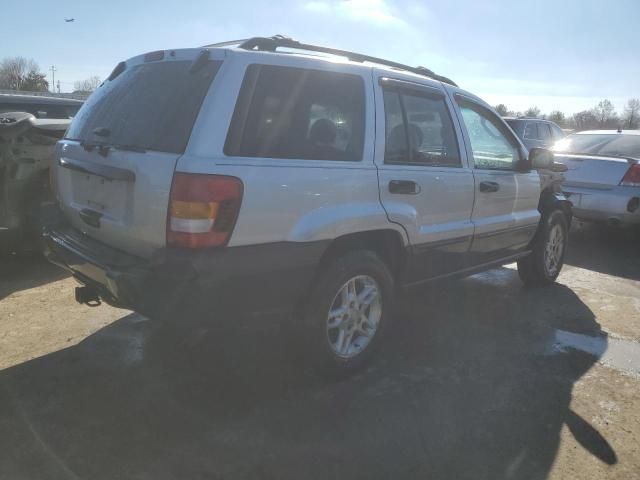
616,144
151,106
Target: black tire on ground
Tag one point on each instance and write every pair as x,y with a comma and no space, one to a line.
316,349
534,270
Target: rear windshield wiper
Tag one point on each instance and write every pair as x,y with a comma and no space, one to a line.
103,148
88,146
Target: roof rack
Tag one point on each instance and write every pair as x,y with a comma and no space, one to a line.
270,44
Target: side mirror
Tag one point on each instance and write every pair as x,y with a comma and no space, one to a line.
541,158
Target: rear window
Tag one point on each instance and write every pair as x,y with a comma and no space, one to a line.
294,113
151,106
598,144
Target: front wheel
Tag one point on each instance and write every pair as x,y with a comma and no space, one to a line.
347,312
543,266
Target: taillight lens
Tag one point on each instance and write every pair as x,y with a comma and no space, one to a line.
202,210
632,177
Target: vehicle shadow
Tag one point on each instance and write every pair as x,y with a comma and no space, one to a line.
613,251
21,272
466,387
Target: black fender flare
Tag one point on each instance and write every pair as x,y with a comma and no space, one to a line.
550,200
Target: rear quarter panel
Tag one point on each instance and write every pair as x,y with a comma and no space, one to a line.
288,199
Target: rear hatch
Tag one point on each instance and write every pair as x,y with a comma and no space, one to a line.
589,171
115,165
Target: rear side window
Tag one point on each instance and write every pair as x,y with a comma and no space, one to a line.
295,113
530,131
557,133
544,133
419,130
151,106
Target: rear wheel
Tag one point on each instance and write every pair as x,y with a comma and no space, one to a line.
347,312
543,266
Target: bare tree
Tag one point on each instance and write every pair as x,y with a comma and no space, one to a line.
632,114
605,114
585,120
533,112
87,85
557,117
14,72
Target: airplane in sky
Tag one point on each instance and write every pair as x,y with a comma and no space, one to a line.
69,20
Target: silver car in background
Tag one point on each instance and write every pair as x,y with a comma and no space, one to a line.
603,176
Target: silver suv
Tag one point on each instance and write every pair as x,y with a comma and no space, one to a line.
319,183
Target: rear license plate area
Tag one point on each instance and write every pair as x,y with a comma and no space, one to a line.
108,197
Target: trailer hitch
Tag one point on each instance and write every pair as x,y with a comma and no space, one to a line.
88,296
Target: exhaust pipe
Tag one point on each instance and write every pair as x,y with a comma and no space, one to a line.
88,296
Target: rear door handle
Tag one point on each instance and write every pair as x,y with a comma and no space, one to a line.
488,187
404,187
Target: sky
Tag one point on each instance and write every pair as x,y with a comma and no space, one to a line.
556,55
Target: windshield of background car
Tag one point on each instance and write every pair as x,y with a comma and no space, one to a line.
616,144
151,106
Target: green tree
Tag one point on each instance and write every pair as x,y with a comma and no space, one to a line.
35,82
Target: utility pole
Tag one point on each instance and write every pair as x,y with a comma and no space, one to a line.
58,86
53,78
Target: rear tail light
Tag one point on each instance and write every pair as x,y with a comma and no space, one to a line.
202,210
632,177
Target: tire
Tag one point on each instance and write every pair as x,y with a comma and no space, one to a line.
543,266
332,292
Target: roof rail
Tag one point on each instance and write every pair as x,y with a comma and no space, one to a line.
270,44
226,44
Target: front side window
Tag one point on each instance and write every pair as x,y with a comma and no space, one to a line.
419,130
492,146
294,113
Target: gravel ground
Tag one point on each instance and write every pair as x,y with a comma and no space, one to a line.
482,379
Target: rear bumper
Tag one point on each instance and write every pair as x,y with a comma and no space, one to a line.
252,278
615,204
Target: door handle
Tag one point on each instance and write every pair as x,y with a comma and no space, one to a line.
488,187
406,187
